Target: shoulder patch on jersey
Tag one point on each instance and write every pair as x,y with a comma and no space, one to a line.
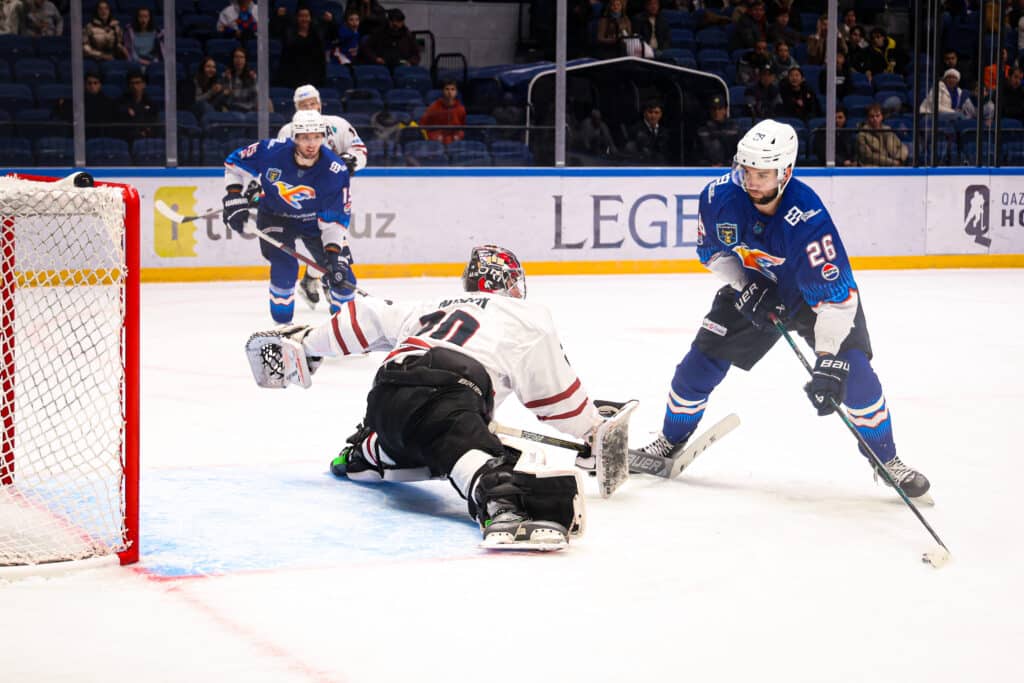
727,233
796,215
335,167
249,151
273,174
700,231
714,328
830,271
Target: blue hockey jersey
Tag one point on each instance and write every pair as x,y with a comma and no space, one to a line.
316,194
798,249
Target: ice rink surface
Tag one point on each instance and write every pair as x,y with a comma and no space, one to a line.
775,557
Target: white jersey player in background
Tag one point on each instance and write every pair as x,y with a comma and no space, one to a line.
343,140
451,362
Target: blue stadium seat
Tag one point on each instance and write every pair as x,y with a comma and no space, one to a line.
221,48
183,7
47,94
402,99
112,90
682,39
16,152
379,152
149,152
372,76
199,26
468,153
481,135
510,153
115,72
339,77
54,47
37,123
15,96
107,152
679,57
711,59
364,100
34,70
55,151
856,105
887,81
712,37
425,153
14,47
223,124
415,77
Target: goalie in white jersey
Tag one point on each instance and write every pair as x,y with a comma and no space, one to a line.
451,362
342,139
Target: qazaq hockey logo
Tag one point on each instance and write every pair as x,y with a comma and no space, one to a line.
758,260
294,195
976,213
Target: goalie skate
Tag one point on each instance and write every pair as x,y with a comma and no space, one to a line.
672,465
611,450
509,531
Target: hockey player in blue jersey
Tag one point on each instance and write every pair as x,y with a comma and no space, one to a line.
304,194
770,238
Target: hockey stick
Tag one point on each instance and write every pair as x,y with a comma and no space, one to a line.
516,433
176,217
936,558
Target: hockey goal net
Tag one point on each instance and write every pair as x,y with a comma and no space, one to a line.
68,373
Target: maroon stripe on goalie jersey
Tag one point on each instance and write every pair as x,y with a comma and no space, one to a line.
565,416
557,397
409,344
337,334
355,324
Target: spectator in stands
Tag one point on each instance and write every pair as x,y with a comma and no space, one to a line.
848,24
763,97
648,140
989,74
41,18
612,26
346,47
238,20
239,83
782,61
11,14
846,141
209,91
718,136
951,60
1011,97
445,111
509,113
879,57
100,110
877,144
393,44
102,38
859,57
844,81
302,53
751,26
143,40
817,42
752,62
372,15
798,100
137,110
652,27
954,102
779,31
593,137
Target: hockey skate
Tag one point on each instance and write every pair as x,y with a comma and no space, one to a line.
914,484
506,526
309,290
662,458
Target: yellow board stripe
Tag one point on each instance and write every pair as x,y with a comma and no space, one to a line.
67,278
375,270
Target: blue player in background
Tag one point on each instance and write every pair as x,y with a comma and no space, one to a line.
771,239
304,194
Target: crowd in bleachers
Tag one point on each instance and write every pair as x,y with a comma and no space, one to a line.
412,107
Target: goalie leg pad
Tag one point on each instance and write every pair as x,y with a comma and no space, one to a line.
277,357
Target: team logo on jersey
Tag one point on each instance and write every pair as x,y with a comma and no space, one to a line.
727,233
758,228
273,174
796,214
756,259
976,203
294,196
830,271
335,167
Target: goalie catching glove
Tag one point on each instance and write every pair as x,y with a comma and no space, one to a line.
277,357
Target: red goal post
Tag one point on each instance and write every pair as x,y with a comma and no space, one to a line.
69,373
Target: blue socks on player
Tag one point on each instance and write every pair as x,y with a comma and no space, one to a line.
867,407
696,377
282,304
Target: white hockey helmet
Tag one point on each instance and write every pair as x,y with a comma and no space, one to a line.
769,145
305,92
308,121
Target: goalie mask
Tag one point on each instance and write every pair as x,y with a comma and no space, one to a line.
496,270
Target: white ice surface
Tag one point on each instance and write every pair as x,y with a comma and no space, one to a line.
774,558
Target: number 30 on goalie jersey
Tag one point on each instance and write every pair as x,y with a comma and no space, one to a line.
513,339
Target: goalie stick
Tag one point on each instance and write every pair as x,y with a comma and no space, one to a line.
669,468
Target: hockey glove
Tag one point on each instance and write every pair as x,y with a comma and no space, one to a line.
236,208
350,163
827,387
339,270
757,302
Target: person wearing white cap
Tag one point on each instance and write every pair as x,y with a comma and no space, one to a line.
954,101
344,141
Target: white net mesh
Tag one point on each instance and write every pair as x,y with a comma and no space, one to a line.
62,372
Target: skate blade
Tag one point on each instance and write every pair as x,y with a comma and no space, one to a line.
541,540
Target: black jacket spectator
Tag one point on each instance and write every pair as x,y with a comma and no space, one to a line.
718,137
797,99
751,27
302,53
372,15
844,81
648,139
653,28
100,110
138,110
1011,97
846,142
779,31
392,44
763,95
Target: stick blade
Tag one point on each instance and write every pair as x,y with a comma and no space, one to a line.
937,558
167,212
